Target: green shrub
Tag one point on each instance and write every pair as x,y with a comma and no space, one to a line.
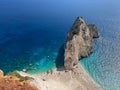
14,73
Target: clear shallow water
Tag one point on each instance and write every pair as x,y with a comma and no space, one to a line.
34,32
103,64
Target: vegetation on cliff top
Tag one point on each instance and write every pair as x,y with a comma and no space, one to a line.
14,73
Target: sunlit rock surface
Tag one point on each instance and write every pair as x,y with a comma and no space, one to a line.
79,42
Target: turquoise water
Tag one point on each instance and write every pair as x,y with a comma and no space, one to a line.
103,64
34,31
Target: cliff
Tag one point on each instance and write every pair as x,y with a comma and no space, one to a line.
79,42
14,83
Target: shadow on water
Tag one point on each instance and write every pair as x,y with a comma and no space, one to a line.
60,59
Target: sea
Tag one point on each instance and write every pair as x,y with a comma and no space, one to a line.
33,32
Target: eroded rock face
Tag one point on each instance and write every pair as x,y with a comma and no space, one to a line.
13,83
79,42
93,30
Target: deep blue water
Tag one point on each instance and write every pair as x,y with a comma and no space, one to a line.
33,31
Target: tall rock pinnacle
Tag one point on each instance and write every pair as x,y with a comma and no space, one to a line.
79,42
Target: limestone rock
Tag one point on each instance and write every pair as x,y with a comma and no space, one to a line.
79,42
93,30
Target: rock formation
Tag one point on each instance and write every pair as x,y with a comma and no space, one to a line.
13,83
79,42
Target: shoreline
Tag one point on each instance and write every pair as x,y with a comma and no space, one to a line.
77,79
91,76
87,71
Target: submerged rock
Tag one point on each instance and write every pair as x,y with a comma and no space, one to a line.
30,65
24,70
79,42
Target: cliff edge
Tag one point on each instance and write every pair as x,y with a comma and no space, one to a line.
14,83
79,42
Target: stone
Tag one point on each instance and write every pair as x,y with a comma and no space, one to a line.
24,70
79,42
30,64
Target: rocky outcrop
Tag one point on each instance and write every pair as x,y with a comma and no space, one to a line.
13,83
93,30
79,42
